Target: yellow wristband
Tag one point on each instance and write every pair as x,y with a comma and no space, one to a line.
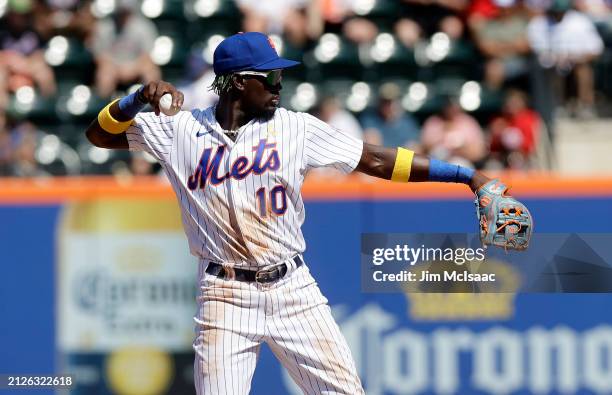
403,164
110,124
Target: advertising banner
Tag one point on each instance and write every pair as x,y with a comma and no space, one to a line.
103,288
126,296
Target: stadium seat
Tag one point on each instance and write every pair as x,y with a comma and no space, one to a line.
382,12
336,87
460,61
201,51
388,58
55,156
603,72
289,51
163,9
174,27
605,31
491,102
472,95
431,105
69,133
298,95
28,104
70,60
402,83
168,16
78,104
206,16
448,86
355,96
333,56
170,54
461,51
441,57
289,87
96,160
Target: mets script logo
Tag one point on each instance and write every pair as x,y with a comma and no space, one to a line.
497,187
208,166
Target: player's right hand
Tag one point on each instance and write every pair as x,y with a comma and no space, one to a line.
154,90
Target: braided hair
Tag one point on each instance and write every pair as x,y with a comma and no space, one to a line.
221,84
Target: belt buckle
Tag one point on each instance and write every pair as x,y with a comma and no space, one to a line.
266,275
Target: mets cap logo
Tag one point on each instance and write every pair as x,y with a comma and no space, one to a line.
272,44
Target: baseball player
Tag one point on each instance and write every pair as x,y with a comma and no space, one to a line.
237,169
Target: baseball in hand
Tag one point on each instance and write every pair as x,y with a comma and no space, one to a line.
165,105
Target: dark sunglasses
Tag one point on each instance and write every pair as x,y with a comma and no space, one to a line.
271,78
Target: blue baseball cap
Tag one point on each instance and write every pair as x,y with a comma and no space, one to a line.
248,51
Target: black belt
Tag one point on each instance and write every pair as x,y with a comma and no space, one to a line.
261,276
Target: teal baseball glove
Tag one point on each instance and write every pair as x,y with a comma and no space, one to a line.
504,221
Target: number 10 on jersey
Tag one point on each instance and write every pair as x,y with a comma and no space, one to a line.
275,201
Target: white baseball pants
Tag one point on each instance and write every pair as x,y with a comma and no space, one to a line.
290,315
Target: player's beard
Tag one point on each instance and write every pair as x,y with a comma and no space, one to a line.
268,110
268,113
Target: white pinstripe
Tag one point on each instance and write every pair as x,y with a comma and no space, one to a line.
224,223
291,316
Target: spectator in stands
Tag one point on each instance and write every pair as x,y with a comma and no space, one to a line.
597,10
422,18
330,110
514,133
503,41
338,17
71,18
389,125
567,40
6,152
122,46
141,164
600,12
480,10
25,141
298,20
199,77
453,136
22,60
537,7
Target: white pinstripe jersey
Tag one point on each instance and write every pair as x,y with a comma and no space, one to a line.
241,201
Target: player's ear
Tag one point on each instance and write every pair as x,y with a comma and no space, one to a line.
238,82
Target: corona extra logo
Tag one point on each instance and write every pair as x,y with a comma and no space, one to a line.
460,301
124,367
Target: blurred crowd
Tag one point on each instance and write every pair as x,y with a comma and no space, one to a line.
538,56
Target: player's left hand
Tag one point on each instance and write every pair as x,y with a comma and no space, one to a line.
504,221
